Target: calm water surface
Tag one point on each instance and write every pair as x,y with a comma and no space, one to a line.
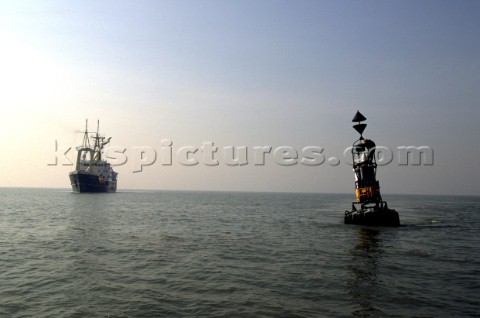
215,254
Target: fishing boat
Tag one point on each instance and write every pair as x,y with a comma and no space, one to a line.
92,173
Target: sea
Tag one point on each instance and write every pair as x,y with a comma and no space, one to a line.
234,254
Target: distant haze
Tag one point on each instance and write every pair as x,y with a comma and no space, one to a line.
169,77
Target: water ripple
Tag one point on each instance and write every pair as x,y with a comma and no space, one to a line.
175,254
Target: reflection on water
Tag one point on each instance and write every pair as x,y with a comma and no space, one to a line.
363,269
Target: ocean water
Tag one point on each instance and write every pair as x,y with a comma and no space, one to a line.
219,254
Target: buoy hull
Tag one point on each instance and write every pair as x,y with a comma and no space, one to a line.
374,216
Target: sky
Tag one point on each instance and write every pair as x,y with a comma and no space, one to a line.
172,76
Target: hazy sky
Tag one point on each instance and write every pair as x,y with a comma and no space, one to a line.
242,73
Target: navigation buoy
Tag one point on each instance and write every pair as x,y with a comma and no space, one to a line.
369,208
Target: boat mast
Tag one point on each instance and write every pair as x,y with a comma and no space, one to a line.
97,148
86,140
84,149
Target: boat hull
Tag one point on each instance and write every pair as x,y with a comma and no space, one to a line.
86,182
374,216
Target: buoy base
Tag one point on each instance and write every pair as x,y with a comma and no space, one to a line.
373,216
